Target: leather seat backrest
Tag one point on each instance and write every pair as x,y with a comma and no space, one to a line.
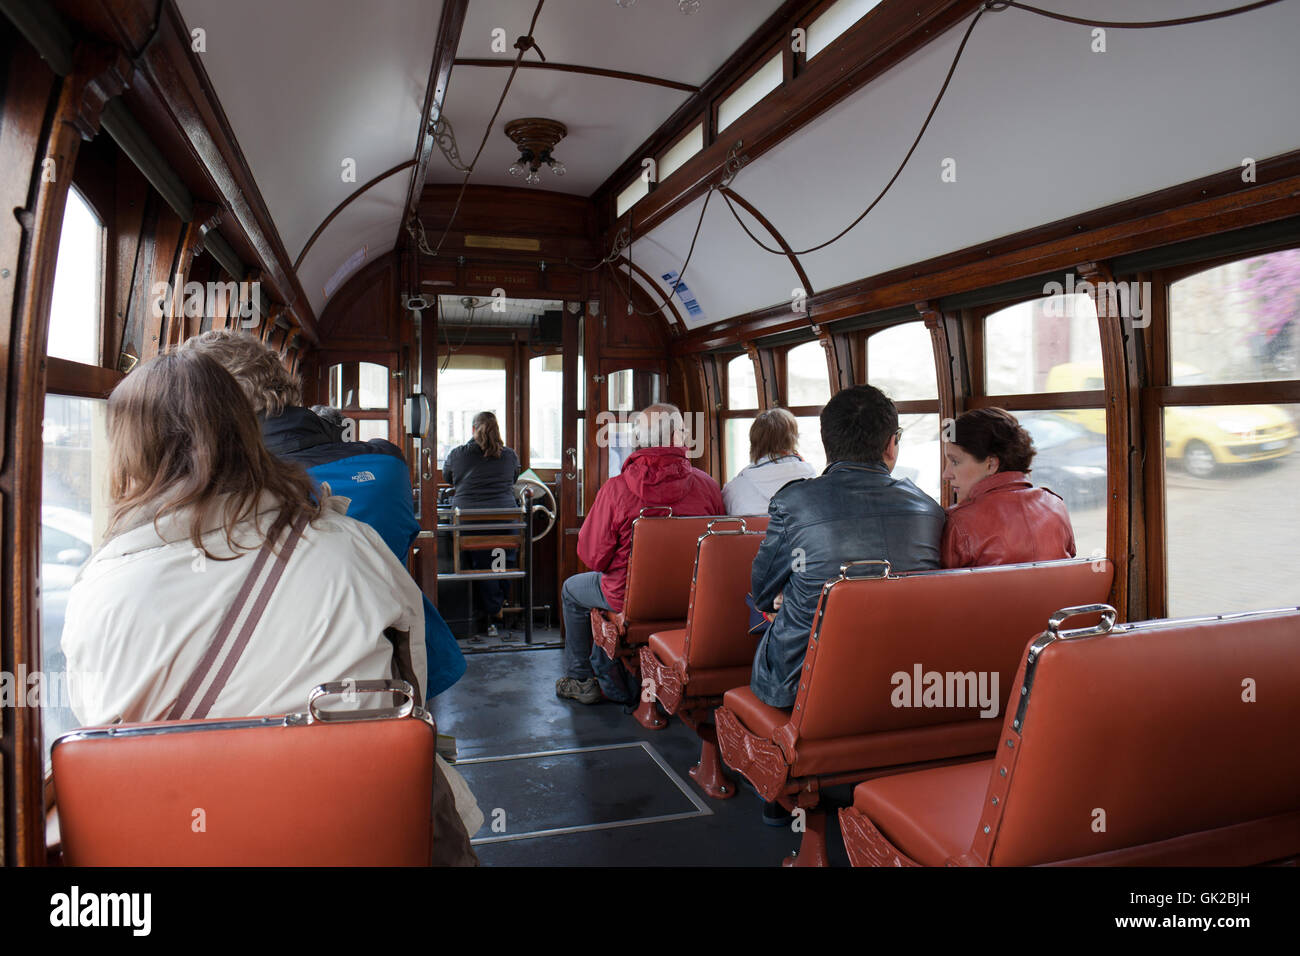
717,625
248,792
872,637
1151,732
662,563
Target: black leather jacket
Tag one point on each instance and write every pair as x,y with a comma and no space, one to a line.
852,511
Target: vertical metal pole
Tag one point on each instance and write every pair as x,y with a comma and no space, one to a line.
528,564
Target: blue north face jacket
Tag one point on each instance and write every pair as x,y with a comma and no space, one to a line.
373,475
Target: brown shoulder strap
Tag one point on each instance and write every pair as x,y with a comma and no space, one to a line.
221,648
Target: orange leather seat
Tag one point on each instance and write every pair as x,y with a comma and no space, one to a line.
659,573
857,714
261,791
1144,744
688,669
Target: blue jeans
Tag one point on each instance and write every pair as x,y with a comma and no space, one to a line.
582,658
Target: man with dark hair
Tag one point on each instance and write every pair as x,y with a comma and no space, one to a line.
855,510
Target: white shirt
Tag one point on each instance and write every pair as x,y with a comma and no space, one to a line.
145,607
750,491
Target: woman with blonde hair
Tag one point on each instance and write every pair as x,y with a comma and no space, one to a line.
774,461
209,530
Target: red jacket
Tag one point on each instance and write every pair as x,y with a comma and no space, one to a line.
650,476
1006,520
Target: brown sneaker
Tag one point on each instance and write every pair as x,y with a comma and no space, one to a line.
583,691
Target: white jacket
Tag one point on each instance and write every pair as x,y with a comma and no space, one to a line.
146,605
750,491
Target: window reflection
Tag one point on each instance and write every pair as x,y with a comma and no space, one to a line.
737,445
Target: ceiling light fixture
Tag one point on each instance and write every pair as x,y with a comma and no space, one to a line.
535,137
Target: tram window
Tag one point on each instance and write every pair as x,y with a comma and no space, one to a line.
808,381
73,518
900,362
737,445
368,428
1052,344
742,390
469,384
76,307
1237,322
1232,513
336,387
836,19
919,452
545,394
620,391
373,385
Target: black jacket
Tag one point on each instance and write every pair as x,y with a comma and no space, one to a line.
851,512
481,482
300,435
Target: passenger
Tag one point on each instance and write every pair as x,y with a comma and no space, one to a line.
371,475
853,511
656,473
199,508
773,440
999,517
483,471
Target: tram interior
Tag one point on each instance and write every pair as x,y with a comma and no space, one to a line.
442,211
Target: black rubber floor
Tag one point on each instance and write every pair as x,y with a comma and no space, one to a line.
506,705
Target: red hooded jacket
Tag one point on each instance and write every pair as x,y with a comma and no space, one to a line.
650,476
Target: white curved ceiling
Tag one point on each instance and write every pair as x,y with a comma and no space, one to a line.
307,85
1041,129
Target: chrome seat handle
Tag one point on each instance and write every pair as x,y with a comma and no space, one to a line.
351,689
887,572
1060,617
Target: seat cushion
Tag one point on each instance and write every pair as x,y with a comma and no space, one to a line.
759,719
929,815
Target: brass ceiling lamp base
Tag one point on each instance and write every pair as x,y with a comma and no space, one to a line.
535,137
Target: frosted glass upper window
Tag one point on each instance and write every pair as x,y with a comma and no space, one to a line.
629,196
838,17
681,151
747,95
75,310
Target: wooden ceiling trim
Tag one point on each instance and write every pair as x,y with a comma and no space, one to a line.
450,25
172,91
586,70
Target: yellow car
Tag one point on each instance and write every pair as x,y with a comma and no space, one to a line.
1203,437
